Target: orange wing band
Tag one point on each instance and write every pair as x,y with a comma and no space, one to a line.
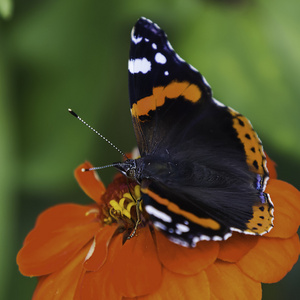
207,223
190,92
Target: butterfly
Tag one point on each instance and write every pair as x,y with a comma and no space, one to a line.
202,168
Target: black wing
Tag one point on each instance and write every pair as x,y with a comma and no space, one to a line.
200,155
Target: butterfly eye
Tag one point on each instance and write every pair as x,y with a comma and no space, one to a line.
130,173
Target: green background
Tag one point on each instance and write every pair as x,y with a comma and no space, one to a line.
59,54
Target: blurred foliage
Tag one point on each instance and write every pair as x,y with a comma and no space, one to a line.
6,7
60,54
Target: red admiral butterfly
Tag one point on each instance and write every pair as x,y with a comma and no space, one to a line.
202,168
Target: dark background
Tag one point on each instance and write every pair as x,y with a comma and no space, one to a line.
59,54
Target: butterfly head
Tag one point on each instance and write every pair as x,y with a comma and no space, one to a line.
129,168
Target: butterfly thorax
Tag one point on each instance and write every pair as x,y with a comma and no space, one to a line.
147,167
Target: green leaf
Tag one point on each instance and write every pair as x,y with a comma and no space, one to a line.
6,8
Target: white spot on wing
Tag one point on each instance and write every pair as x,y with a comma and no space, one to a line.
196,239
160,225
155,25
135,39
179,58
193,68
139,65
160,58
166,73
227,236
179,242
148,20
218,102
182,227
154,46
205,81
205,238
170,46
158,214
178,232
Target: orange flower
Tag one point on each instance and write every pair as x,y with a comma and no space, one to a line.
78,252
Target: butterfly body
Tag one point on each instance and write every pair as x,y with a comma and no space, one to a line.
202,168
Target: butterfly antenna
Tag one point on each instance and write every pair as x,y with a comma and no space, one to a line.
99,134
98,168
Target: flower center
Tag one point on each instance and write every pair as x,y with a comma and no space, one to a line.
124,205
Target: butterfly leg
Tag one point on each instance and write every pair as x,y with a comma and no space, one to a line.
138,219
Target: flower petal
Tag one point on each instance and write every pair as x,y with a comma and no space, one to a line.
61,284
186,261
135,269
97,285
233,249
90,182
271,165
227,281
177,286
271,259
60,232
100,248
286,200
130,270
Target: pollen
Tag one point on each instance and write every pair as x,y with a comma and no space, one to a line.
123,207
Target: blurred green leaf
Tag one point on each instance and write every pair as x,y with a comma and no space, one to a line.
250,59
6,8
8,180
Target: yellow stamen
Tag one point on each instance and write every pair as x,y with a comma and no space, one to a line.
128,196
126,214
115,205
123,207
121,202
112,213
